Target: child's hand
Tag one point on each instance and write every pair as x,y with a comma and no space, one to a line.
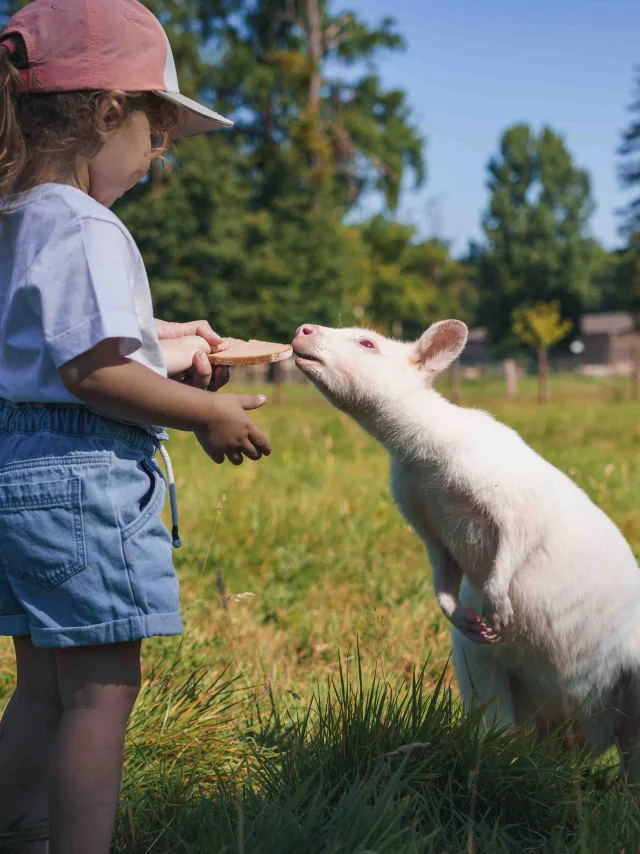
231,433
166,329
204,375
187,363
198,372
181,354
220,377
122,388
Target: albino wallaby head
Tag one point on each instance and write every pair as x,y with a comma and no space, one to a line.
359,371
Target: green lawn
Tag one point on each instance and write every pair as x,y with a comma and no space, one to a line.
306,708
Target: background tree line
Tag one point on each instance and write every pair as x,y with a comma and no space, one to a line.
249,227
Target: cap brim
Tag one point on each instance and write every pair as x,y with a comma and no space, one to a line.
194,118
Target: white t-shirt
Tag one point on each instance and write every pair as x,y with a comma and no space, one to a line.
71,276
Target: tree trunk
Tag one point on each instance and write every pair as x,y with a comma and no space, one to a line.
543,375
316,49
314,35
511,377
268,121
277,381
455,382
635,385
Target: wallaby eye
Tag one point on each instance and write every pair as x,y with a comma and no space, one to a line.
369,345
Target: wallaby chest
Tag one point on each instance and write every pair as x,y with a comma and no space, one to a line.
443,510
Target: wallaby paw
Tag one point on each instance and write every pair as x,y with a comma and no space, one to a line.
473,627
497,610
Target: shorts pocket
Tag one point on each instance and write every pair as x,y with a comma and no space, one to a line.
42,531
149,505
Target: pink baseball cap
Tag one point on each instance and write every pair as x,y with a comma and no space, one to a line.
103,45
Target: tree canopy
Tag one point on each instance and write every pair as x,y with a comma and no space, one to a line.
538,247
249,226
629,167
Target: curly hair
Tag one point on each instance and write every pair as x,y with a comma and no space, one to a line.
42,135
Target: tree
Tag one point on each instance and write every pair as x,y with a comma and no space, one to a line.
541,327
412,282
536,228
622,293
248,228
326,135
252,272
629,170
626,280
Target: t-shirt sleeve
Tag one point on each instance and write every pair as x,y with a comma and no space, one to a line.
81,286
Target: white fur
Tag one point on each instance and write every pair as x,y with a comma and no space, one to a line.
507,534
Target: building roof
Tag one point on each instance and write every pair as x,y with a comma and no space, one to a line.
606,323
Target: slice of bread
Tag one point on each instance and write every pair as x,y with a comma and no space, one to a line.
251,353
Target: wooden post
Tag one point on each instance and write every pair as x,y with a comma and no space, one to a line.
455,382
277,381
543,375
511,377
635,355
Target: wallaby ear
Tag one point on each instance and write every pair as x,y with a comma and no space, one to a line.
440,345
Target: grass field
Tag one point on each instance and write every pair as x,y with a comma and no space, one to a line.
306,708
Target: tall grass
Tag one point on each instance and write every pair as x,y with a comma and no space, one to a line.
369,768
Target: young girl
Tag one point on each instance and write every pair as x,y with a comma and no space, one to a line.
88,97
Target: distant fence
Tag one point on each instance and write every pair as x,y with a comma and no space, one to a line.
280,372
509,370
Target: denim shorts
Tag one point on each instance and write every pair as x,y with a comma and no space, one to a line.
84,555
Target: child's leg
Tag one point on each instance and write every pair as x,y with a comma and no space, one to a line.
27,734
98,688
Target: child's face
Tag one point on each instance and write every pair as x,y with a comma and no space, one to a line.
123,161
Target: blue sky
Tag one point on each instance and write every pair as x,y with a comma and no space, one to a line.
473,67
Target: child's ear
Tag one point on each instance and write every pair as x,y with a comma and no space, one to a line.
440,345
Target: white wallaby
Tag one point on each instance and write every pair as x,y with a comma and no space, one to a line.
509,537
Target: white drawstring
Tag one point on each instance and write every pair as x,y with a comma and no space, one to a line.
173,500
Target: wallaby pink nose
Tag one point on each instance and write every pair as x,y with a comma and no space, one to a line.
306,329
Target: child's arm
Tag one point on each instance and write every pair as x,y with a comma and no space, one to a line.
123,388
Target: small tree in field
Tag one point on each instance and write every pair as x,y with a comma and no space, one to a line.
540,327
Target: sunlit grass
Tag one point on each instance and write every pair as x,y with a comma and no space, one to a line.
248,737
